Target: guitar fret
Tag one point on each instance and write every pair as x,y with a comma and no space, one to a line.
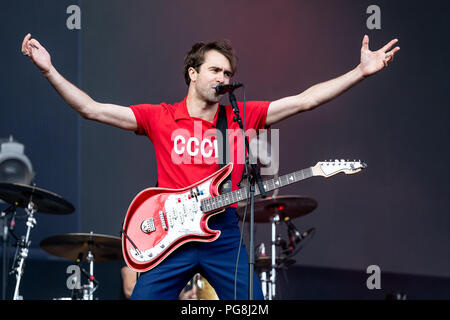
243,193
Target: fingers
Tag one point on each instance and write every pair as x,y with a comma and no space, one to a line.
389,57
390,54
25,44
35,44
389,45
28,45
365,42
395,50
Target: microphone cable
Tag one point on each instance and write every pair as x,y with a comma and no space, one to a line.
246,204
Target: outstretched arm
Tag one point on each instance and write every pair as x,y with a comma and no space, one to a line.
371,62
82,103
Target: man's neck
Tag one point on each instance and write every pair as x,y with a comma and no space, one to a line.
199,108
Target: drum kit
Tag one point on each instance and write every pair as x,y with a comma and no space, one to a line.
275,210
78,247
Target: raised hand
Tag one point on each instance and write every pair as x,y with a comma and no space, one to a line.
374,61
37,53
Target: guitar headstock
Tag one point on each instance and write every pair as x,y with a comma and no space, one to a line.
330,168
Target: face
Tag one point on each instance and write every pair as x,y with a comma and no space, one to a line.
215,70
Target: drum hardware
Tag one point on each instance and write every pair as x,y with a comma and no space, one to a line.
84,247
24,245
275,210
32,199
6,227
86,291
295,237
261,249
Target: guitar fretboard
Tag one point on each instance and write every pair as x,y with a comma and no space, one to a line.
226,199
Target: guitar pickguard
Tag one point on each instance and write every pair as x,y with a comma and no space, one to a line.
182,216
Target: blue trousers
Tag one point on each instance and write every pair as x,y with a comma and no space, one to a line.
216,261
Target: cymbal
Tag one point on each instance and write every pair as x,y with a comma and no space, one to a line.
285,206
44,201
266,262
72,245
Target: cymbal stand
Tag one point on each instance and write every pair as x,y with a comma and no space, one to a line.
273,272
263,273
89,294
6,228
24,245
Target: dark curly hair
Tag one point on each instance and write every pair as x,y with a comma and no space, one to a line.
196,56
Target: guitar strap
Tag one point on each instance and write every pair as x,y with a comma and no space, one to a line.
222,127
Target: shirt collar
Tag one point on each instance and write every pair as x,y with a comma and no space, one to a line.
181,112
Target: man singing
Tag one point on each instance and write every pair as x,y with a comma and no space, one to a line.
185,152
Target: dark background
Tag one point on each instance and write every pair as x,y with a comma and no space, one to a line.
394,214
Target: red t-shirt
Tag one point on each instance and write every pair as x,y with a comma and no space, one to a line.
186,147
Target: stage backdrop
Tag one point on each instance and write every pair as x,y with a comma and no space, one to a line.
38,118
394,214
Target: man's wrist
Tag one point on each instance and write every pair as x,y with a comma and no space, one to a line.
49,72
359,72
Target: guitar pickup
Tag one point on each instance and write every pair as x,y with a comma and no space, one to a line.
163,220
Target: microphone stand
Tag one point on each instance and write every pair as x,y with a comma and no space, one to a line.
6,227
254,176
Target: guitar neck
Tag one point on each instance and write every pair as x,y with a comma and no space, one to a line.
228,198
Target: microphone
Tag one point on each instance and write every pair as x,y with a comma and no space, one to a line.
295,237
224,88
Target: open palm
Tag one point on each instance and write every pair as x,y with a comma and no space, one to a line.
374,61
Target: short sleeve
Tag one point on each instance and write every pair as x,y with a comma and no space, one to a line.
147,117
255,114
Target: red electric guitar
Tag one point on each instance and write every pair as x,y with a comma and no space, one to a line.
159,220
